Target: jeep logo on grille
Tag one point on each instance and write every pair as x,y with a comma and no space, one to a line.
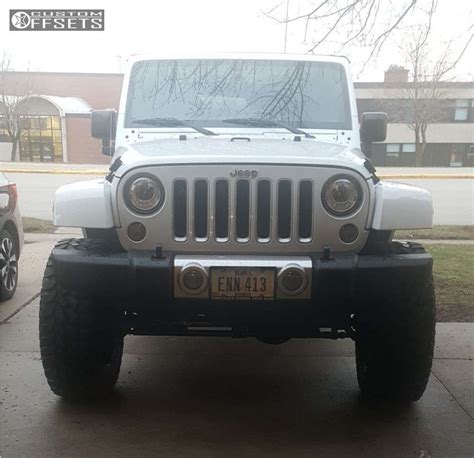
244,173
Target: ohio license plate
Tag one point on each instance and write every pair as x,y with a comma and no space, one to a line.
243,283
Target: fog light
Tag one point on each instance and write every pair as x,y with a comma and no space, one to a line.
136,232
193,279
348,233
292,280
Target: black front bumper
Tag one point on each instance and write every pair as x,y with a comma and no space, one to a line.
141,286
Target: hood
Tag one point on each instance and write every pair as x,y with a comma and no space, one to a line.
212,150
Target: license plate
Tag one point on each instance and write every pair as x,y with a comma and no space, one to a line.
243,283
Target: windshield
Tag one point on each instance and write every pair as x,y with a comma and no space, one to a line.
213,93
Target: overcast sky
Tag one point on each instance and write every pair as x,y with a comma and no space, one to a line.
143,26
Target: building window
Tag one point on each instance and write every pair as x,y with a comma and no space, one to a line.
393,149
408,156
470,156
400,154
408,148
461,112
41,139
458,154
4,135
392,156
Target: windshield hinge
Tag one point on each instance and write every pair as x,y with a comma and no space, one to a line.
369,166
113,168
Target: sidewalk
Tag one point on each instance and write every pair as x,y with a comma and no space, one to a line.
426,172
54,168
101,169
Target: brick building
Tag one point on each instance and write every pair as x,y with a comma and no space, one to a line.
57,125
57,119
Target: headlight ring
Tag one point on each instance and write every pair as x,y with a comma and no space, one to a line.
341,195
144,193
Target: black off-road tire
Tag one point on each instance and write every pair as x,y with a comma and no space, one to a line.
80,338
394,353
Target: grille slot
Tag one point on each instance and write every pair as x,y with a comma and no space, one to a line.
200,209
305,211
284,210
263,210
242,210
180,196
221,210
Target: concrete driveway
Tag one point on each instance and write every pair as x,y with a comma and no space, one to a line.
222,397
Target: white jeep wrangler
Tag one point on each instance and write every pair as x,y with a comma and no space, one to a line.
240,202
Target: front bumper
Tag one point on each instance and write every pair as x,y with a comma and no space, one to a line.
141,286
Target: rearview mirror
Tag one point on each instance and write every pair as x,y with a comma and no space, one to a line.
104,126
373,128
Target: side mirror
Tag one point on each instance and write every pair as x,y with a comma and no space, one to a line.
104,126
373,128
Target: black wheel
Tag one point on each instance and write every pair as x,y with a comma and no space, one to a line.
394,355
8,265
80,339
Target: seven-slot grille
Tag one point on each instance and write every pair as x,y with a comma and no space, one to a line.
243,210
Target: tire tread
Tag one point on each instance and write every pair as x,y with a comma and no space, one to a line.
76,339
394,354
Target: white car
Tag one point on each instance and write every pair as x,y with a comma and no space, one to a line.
11,238
240,202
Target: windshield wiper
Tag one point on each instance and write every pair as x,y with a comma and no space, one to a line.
255,122
171,122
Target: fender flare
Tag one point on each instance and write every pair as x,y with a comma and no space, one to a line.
401,206
84,204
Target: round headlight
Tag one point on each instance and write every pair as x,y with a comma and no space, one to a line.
341,195
144,194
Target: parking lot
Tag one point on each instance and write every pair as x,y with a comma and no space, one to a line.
225,397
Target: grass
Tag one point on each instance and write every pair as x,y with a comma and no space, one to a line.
438,233
453,276
37,225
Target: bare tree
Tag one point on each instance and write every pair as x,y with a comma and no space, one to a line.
366,25
360,22
420,102
12,97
